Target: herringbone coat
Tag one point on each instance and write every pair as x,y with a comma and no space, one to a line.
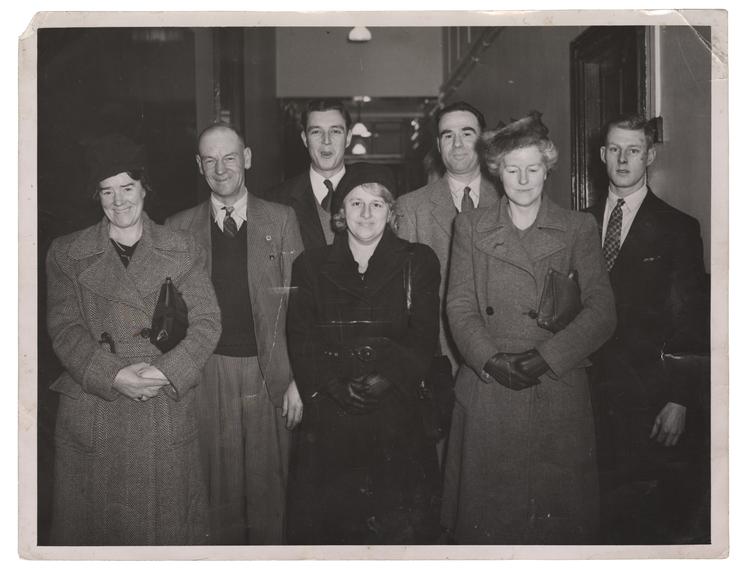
126,472
521,465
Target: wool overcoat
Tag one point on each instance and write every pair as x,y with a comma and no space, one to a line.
363,478
426,215
521,465
126,472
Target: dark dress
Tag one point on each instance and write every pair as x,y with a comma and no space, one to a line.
363,478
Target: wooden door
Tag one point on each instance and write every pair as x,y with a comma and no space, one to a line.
609,78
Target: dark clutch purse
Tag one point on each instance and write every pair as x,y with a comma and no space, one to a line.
170,319
560,300
435,391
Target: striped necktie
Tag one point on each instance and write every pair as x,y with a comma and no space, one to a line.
229,224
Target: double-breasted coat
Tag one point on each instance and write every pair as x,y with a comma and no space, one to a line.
521,465
126,472
363,478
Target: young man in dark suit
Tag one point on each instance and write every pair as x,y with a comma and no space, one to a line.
326,134
653,253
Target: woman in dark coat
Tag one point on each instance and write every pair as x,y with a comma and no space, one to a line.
521,465
126,468
363,471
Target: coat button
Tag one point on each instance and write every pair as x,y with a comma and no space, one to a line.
490,310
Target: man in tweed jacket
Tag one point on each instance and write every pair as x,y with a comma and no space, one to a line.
426,215
249,401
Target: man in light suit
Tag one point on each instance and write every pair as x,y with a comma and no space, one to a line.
427,214
653,413
248,402
326,134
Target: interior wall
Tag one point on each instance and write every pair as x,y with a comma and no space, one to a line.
681,174
396,62
262,119
528,69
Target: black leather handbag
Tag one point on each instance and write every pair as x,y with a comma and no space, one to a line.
435,391
560,300
170,319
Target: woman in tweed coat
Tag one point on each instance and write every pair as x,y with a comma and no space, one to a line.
127,466
521,466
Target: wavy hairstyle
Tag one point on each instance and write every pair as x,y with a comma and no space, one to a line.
529,131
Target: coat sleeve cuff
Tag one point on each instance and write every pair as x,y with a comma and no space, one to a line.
100,375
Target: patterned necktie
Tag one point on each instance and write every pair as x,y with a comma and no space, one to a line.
613,239
466,202
229,224
328,198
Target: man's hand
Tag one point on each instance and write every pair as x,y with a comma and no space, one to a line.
292,406
669,424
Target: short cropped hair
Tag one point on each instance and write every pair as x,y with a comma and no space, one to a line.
631,122
460,106
323,105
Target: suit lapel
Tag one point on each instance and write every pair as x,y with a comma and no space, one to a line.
443,210
260,244
304,203
642,234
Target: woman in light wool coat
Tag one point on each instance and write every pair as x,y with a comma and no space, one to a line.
126,468
521,464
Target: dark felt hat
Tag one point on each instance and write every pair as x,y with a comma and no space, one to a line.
362,173
111,155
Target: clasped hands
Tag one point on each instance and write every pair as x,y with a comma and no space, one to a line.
139,382
516,371
359,395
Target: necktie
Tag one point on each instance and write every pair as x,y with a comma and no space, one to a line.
328,198
229,224
612,242
466,202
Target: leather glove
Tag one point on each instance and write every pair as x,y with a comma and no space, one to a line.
531,363
502,367
372,386
341,390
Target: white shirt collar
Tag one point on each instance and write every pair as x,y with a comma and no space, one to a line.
317,183
632,201
457,190
239,209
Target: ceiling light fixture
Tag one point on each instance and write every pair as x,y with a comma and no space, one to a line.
359,34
